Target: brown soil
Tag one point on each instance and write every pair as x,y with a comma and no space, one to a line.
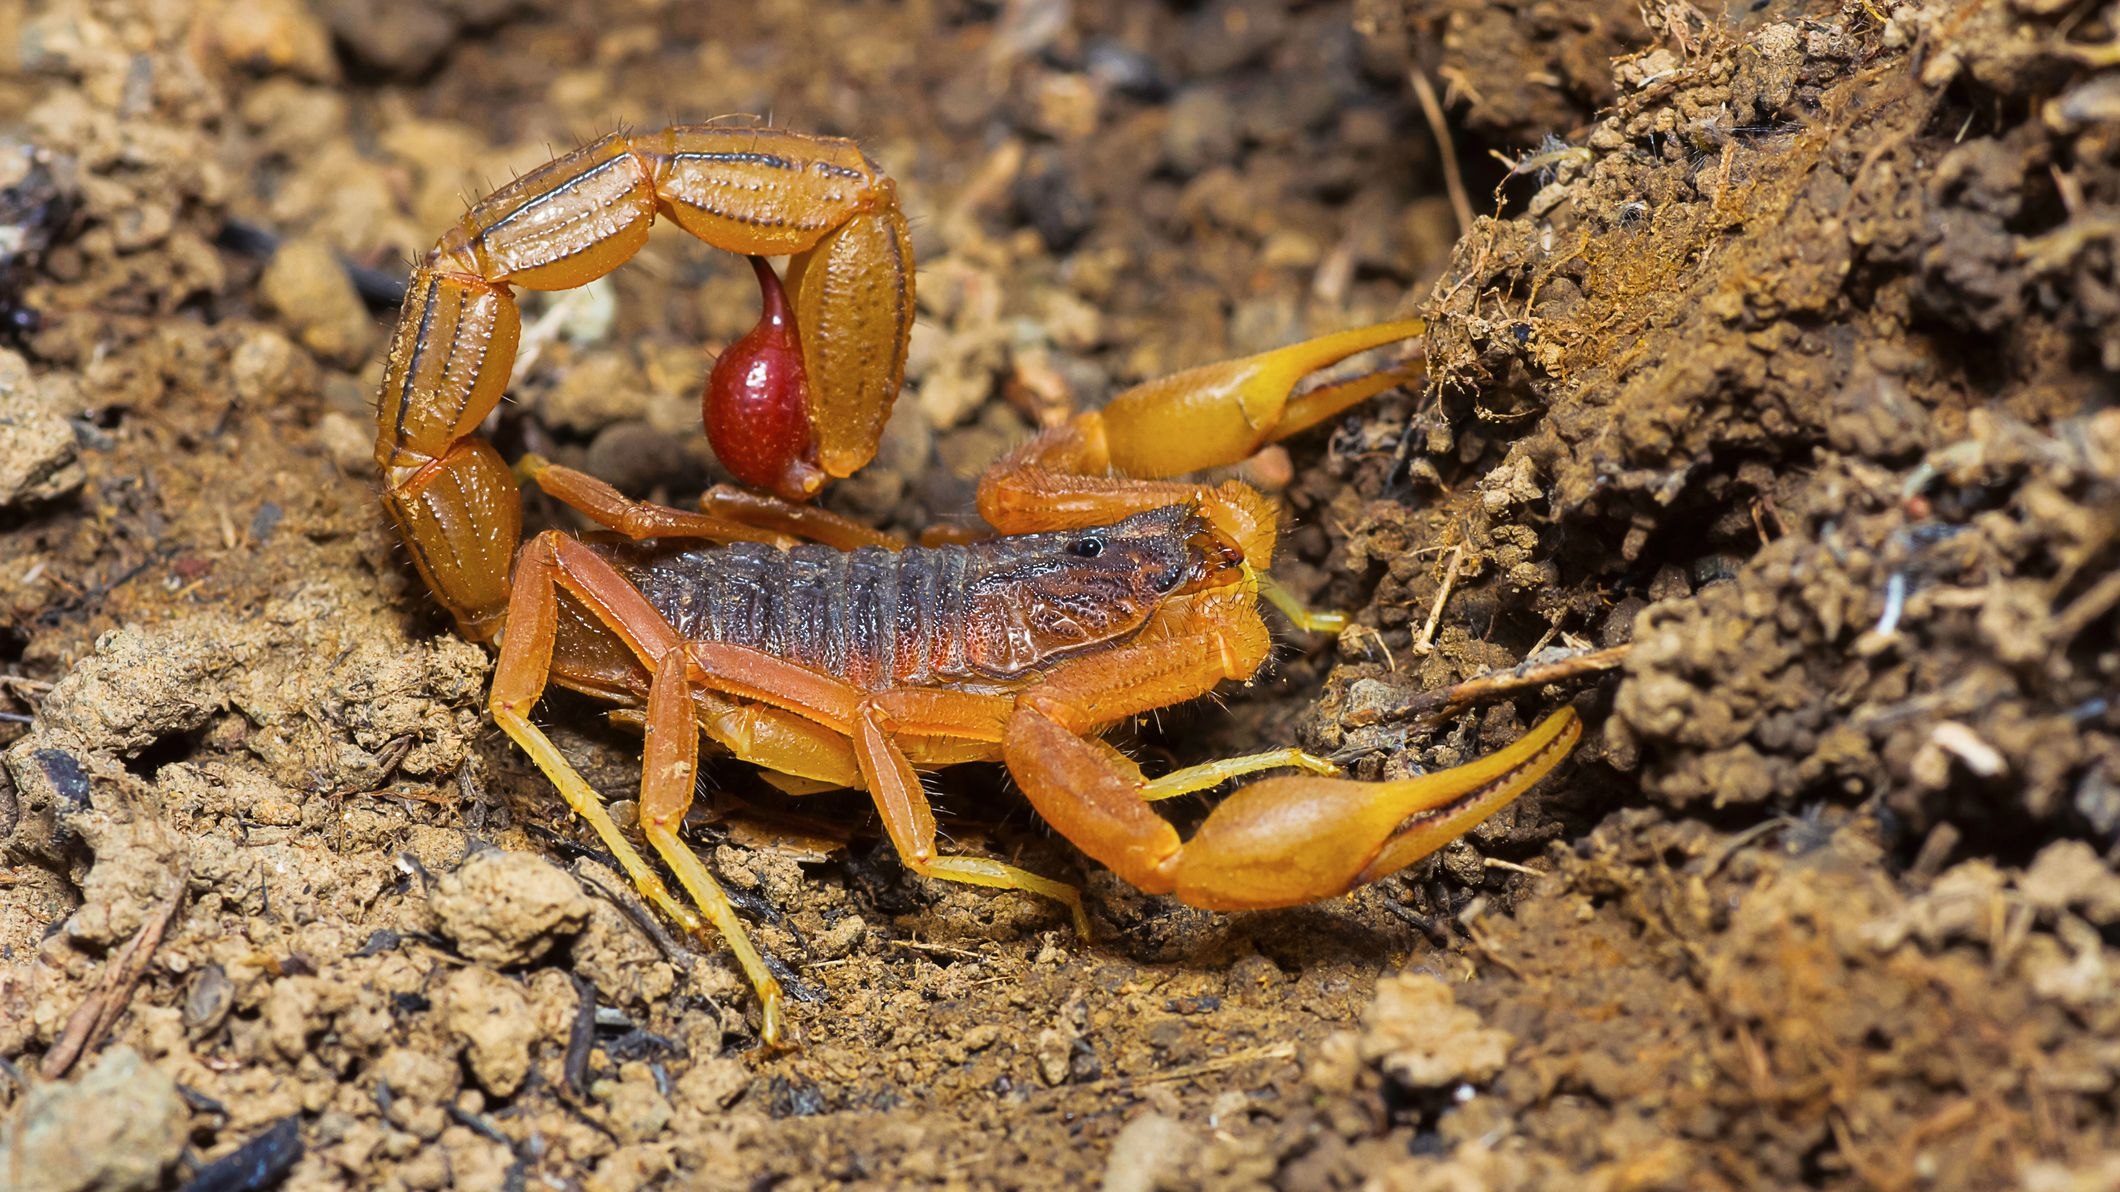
1789,358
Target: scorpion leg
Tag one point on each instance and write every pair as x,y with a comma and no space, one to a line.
910,823
1279,842
783,745
871,719
553,562
1208,775
1300,615
613,510
806,522
669,768
726,514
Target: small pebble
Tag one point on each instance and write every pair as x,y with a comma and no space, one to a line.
36,443
308,289
1201,131
1053,1050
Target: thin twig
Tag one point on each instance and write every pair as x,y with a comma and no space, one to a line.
937,949
1356,633
1511,866
1425,643
1453,177
2088,607
636,913
1731,846
1544,639
581,1039
100,1010
1277,1051
1488,948
1490,686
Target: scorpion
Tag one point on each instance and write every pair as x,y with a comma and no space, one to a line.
831,655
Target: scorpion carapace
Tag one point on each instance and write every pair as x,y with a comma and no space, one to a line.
853,661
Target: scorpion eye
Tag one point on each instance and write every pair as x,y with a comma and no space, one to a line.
1087,547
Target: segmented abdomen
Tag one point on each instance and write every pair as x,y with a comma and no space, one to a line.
873,617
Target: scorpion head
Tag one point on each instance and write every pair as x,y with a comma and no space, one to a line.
1033,597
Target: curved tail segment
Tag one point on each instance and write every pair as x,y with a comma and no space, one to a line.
760,192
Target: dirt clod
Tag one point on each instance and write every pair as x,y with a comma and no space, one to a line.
489,1015
1418,1035
117,1127
1149,1152
638,1109
508,909
143,685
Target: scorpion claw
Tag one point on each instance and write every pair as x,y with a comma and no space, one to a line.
1219,414
1289,841
1279,842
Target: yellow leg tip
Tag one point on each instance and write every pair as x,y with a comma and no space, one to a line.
1302,618
772,1027
1322,767
529,466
